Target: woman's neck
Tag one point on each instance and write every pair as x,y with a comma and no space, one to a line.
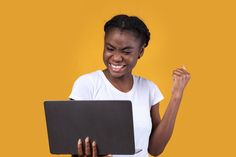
124,83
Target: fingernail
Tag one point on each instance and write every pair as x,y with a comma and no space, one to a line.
94,143
87,139
79,142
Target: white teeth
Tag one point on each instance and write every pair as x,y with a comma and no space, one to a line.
116,66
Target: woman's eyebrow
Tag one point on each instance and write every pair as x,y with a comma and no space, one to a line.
128,47
108,44
125,48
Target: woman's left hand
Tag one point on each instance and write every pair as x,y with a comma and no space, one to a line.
180,79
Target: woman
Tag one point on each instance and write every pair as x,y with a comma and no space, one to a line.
125,40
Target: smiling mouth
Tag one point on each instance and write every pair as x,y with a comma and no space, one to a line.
116,68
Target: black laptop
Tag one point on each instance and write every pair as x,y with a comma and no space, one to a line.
109,123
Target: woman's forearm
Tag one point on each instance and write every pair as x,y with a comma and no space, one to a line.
162,133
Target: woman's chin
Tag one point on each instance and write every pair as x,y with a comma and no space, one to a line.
117,74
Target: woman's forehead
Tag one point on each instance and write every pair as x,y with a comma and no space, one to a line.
122,36
119,31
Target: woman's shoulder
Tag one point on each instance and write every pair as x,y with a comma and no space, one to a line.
88,81
147,86
143,81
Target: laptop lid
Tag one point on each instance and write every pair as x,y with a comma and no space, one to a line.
109,123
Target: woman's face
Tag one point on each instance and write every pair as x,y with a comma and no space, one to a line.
122,49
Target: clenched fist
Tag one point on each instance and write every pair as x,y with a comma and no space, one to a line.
180,79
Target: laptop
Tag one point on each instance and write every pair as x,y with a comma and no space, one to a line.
109,123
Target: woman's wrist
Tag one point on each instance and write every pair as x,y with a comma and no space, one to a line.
177,95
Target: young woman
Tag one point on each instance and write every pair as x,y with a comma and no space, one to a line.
125,40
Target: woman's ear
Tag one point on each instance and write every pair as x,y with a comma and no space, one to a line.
141,52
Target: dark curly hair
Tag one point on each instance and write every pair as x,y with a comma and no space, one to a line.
130,23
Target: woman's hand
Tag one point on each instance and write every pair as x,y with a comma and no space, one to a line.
180,79
87,151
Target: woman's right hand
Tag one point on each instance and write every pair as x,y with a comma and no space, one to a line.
88,151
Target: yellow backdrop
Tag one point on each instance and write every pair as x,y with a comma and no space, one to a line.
46,45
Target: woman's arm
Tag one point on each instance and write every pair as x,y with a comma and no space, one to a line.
163,128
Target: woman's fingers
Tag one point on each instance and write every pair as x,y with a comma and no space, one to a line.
94,147
87,147
80,148
181,72
90,150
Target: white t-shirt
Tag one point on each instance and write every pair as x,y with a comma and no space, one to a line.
143,95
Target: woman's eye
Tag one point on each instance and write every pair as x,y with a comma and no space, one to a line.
109,49
126,52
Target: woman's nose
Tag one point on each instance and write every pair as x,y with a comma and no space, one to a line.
117,57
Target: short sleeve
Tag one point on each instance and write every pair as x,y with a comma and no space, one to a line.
82,89
155,94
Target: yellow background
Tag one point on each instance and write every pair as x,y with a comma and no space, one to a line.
46,45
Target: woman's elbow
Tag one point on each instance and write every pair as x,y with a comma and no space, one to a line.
155,152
